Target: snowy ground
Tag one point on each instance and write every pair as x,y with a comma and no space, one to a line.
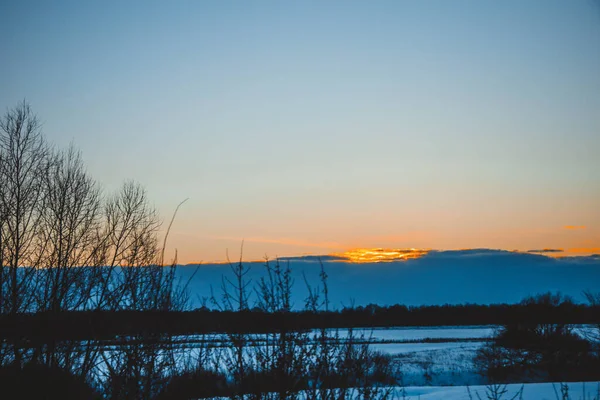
434,362
433,355
431,332
436,356
531,391
451,364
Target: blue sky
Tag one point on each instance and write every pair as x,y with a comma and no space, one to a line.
314,127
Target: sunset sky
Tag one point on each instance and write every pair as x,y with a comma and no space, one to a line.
315,127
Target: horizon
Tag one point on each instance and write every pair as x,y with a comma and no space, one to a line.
385,255
477,276
318,128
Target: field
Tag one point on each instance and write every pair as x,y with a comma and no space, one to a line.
533,391
433,362
431,355
437,363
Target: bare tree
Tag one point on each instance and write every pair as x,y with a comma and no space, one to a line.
23,164
134,278
68,240
128,239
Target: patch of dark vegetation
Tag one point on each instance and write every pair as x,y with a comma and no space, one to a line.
534,351
107,325
36,381
342,375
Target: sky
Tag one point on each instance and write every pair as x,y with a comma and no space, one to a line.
316,127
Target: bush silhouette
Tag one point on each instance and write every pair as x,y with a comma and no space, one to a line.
36,381
539,350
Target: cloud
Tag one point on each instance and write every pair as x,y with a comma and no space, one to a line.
309,258
546,251
574,227
384,256
375,255
481,276
378,258
469,252
378,255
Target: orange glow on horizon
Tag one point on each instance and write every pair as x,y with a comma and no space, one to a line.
380,255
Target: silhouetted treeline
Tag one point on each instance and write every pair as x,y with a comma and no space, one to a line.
110,324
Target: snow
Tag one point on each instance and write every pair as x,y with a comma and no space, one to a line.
531,391
420,333
403,348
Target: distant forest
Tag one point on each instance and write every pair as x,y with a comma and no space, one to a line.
106,325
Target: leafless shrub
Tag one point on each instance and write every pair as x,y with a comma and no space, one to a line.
65,247
288,363
497,392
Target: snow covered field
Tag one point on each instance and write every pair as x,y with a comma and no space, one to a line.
434,362
435,356
531,391
414,333
425,356
440,355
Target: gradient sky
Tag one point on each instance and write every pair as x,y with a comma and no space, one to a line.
316,127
